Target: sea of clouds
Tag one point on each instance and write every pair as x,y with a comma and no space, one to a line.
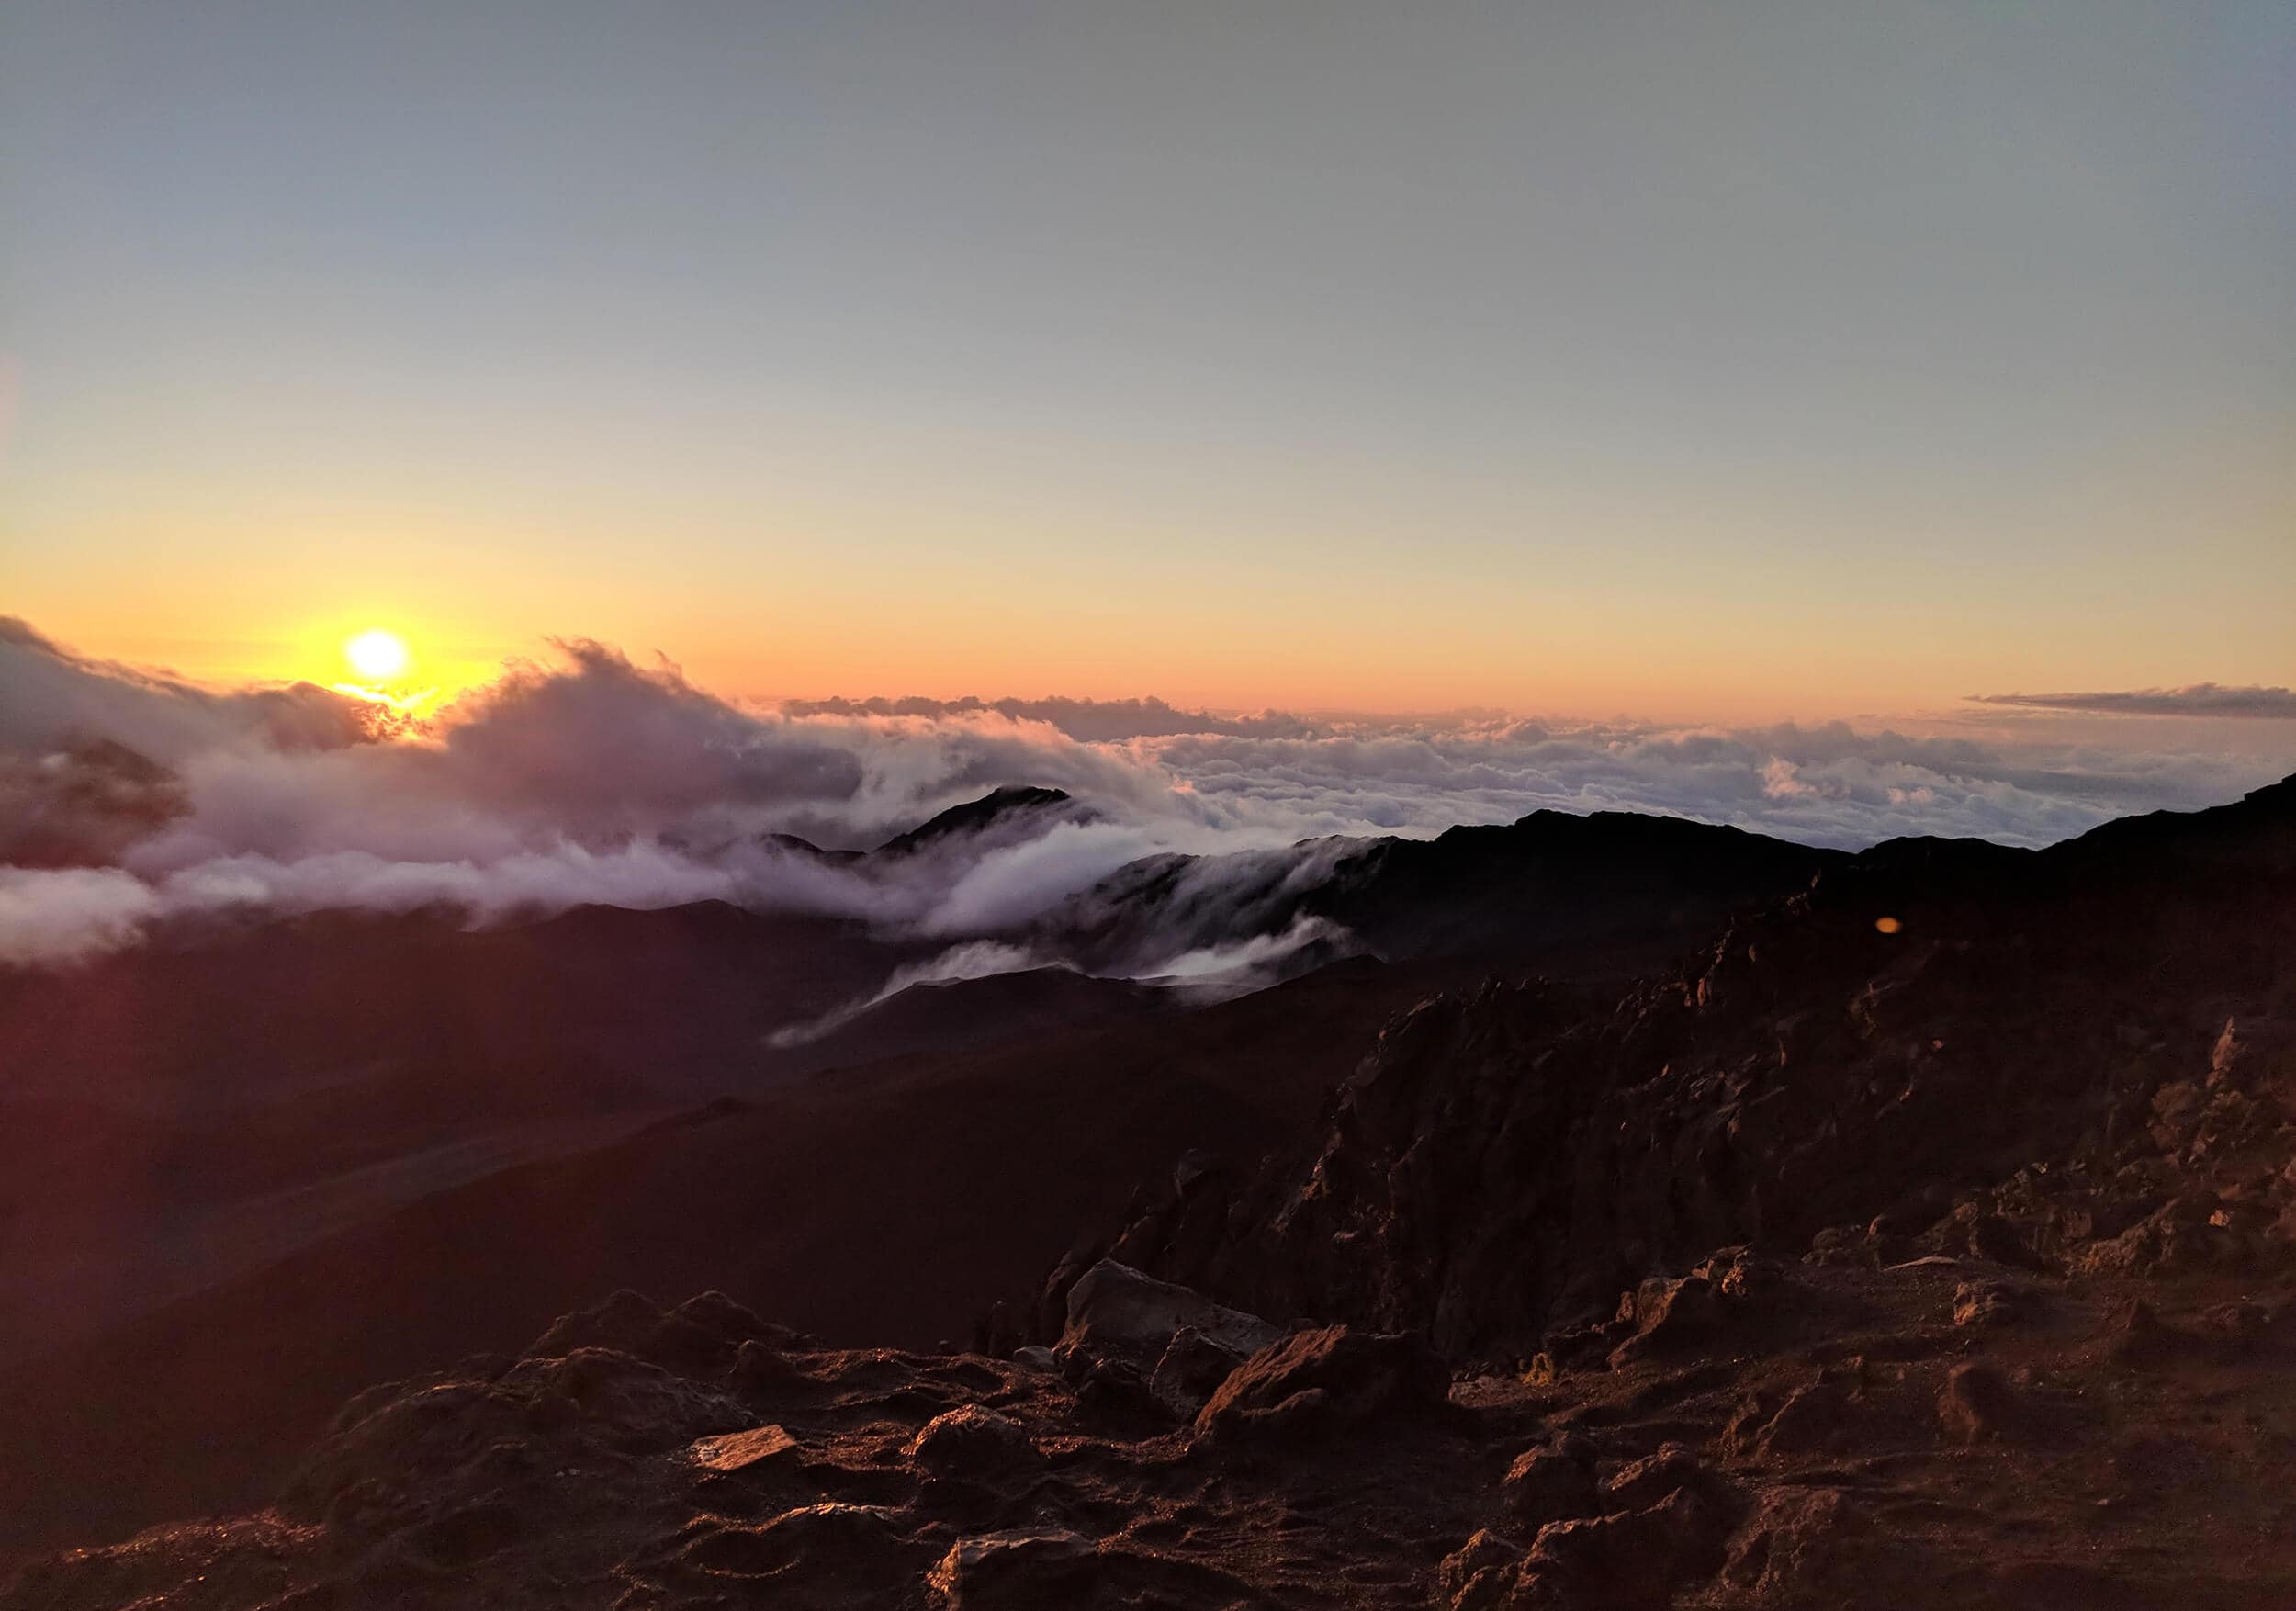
129,798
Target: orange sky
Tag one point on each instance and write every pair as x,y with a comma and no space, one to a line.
1719,626
1523,357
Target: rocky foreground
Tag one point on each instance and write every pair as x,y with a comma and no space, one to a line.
1948,1431
1926,1240
1967,1415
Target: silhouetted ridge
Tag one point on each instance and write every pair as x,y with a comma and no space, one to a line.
997,807
1928,1019
1609,876
798,845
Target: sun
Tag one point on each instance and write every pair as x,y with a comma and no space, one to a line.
376,654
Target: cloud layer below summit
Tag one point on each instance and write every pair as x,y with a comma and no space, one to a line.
127,797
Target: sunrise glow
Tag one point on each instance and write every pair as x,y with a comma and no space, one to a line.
376,655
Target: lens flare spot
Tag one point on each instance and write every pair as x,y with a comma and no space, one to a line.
1888,925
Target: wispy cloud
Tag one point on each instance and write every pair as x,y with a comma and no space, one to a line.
1094,721
2197,699
978,959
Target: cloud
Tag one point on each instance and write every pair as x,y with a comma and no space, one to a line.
1781,779
1149,913
2197,699
979,959
1093,721
594,750
600,744
1219,973
1011,885
1826,784
589,778
63,915
82,805
55,697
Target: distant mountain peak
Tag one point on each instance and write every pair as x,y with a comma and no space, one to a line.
999,804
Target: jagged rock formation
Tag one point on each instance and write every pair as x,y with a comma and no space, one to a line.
2076,1058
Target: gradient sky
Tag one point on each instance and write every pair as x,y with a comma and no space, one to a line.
1707,361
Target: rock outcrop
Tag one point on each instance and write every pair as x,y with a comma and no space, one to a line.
2075,1060
1323,1380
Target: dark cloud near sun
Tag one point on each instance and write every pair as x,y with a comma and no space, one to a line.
55,697
2197,699
83,804
619,745
89,749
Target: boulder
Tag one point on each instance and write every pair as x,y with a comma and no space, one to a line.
828,1538
700,1334
1021,1566
418,1445
1843,1245
1191,1372
1668,1316
1791,1551
626,1321
1976,1405
1672,1315
2184,1236
2134,1335
760,1368
1988,1304
1973,1231
761,1448
970,1441
1115,1391
2254,1051
1323,1380
1477,1575
1993,1237
1552,1482
2240,1322
2176,1109
1634,1558
1813,1419
1115,1309
1645,1483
